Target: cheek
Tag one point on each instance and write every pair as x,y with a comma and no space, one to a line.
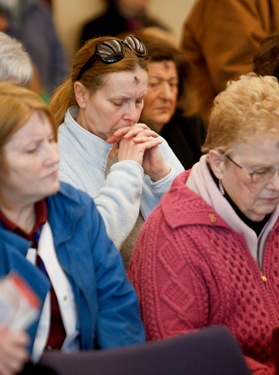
246,196
149,100
139,111
112,118
174,101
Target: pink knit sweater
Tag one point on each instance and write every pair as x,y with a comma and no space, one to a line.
191,270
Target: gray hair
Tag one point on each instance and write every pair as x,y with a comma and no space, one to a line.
248,109
15,62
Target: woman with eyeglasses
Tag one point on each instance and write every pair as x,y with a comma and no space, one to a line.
122,164
209,253
53,236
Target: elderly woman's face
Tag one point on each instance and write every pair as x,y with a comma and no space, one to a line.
161,98
30,170
259,198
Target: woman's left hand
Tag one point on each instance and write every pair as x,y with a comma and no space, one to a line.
154,165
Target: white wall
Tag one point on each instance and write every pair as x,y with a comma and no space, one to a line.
70,14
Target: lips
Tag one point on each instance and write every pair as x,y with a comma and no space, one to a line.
164,109
52,174
271,200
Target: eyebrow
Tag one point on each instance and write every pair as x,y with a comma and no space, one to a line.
163,79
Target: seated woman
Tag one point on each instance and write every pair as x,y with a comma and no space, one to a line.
54,237
169,100
105,152
213,255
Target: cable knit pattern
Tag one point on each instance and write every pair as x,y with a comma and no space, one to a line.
191,270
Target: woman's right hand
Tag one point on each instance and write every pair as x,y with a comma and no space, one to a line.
13,352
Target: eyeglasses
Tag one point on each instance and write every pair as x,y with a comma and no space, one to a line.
112,50
259,175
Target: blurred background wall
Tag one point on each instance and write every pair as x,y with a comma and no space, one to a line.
69,15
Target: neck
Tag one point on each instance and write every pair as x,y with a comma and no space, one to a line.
23,217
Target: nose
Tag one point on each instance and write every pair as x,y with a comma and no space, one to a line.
51,154
133,113
166,91
274,181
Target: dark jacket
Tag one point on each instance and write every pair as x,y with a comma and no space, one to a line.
185,136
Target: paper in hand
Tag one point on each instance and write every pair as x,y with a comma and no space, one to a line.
19,305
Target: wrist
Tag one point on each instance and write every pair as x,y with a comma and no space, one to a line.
159,175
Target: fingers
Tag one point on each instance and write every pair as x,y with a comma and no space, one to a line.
140,131
129,150
142,138
129,132
13,352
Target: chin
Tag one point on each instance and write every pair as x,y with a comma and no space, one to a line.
261,215
52,190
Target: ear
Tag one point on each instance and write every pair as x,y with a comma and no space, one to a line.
216,162
81,94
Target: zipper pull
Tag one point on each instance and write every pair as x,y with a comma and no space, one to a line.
264,278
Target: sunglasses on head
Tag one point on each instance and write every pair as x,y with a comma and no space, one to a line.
112,50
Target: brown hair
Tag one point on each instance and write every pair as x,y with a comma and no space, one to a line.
266,60
92,78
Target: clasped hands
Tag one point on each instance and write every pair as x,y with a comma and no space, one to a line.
139,143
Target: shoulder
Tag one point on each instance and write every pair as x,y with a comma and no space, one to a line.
189,124
71,197
181,207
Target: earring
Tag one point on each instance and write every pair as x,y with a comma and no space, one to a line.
221,188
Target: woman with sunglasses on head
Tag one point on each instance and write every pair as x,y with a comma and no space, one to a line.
213,256
53,236
119,162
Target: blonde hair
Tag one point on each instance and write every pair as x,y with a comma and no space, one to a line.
93,78
246,110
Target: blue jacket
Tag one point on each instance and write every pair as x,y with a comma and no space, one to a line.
107,305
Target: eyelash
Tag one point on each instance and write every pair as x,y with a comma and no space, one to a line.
138,102
33,150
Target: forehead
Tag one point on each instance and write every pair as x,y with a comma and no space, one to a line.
36,125
164,69
124,81
258,151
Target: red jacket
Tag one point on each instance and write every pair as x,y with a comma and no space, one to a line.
191,270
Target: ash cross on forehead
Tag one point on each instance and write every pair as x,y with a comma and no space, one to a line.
167,65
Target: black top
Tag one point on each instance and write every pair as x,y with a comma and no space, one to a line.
112,23
185,136
257,226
